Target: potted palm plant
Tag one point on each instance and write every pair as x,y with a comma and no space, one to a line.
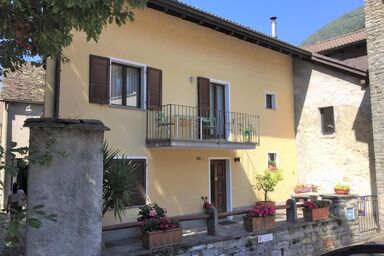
259,217
267,182
158,230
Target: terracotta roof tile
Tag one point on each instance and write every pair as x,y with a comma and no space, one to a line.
25,85
337,41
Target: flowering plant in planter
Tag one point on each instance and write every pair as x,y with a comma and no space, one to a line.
162,223
151,211
261,211
341,189
318,210
259,217
157,229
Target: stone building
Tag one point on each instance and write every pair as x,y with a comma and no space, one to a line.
374,10
22,97
333,128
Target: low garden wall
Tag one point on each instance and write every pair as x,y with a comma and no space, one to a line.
302,238
294,237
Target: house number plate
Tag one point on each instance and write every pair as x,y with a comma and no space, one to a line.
265,238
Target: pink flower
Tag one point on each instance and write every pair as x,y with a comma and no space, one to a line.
152,213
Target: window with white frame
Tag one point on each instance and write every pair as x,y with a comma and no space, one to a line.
126,85
272,160
270,100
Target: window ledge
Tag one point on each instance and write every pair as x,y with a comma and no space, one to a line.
273,109
328,136
126,107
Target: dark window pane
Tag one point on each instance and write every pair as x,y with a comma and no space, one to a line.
327,120
117,84
269,101
272,157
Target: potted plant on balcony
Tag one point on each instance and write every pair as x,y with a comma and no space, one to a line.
158,230
341,189
318,210
267,183
259,217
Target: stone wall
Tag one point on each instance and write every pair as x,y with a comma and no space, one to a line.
286,238
374,22
305,238
345,156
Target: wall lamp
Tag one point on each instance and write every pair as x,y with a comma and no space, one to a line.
237,159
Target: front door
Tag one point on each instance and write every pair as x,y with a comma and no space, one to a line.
219,185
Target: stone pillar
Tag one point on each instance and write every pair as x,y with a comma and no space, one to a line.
374,23
341,206
69,184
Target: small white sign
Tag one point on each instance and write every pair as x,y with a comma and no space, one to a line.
265,238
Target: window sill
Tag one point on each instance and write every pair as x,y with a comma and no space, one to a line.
328,136
126,107
273,109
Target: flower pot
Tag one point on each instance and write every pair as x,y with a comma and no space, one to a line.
316,214
341,191
258,223
156,239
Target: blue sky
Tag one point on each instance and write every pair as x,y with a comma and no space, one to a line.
297,19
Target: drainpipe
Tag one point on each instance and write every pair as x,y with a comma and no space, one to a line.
56,96
4,144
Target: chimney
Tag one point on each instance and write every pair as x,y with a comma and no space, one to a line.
273,26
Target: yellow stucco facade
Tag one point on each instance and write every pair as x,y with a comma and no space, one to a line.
177,178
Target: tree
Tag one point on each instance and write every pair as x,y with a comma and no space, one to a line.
43,28
268,181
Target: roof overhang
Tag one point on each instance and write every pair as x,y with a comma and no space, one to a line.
329,62
188,13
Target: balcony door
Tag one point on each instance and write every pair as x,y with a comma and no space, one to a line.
212,109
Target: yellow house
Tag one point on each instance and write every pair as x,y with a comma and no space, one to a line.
201,103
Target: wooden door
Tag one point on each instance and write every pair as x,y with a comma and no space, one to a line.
219,185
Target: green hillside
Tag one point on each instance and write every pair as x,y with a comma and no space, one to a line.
347,23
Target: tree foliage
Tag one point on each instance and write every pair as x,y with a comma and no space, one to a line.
268,181
43,27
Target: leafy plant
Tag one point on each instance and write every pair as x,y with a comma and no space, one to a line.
119,181
14,230
44,27
31,216
268,181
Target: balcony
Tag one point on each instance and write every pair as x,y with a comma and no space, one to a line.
191,127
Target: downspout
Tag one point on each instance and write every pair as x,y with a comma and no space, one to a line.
4,144
56,96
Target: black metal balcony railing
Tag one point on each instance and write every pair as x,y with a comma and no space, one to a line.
176,122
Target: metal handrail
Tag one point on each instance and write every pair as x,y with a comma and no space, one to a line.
178,122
